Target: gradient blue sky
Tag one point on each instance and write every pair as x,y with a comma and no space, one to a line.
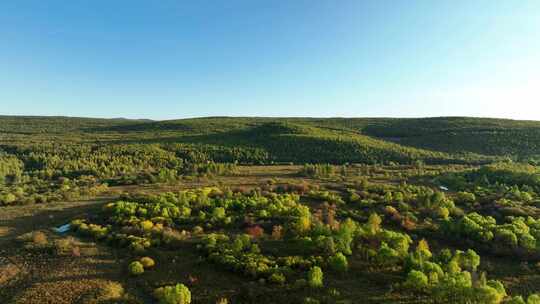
173,59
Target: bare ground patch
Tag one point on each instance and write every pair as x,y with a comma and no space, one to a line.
54,278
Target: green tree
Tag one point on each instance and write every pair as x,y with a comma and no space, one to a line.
218,213
315,277
469,260
533,299
345,236
374,224
388,198
488,295
339,262
423,249
417,280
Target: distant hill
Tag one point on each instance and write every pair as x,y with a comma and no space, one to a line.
57,124
334,140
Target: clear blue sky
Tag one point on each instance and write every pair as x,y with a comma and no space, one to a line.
172,59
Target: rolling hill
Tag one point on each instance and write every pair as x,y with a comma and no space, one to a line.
332,140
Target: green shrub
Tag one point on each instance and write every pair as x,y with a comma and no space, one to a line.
339,262
515,300
468,260
315,277
147,225
416,280
466,197
8,199
198,230
147,262
136,268
533,299
218,213
178,294
498,286
326,244
488,295
373,225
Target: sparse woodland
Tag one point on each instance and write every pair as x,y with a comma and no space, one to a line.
368,211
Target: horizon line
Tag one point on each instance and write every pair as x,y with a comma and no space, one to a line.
258,116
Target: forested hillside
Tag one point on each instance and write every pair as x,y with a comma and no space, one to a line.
454,135
335,140
86,153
